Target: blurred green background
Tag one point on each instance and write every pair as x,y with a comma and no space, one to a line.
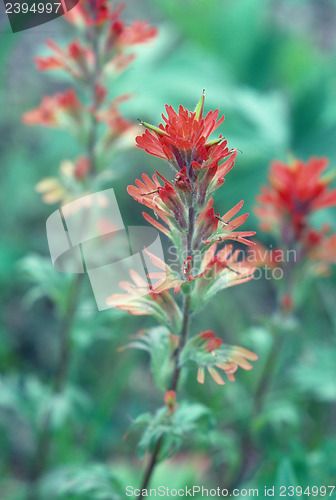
269,66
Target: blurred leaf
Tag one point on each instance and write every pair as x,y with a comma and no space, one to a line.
280,415
315,374
85,482
171,429
285,475
62,406
40,272
158,342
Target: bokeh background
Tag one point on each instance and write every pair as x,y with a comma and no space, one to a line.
269,66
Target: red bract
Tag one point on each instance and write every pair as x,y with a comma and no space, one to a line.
54,109
126,36
209,353
213,273
212,342
183,140
93,13
117,124
82,167
170,401
210,227
75,59
170,204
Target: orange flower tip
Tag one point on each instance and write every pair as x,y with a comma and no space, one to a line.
287,303
252,356
208,334
215,376
200,375
170,397
152,127
170,401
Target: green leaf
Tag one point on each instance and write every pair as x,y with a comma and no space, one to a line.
159,344
171,429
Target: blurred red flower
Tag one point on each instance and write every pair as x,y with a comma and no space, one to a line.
54,109
295,191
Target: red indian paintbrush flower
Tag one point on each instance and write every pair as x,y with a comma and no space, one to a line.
102,49
295,191
183,141
188,218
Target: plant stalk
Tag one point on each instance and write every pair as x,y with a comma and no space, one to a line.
177,369
258,402
44,439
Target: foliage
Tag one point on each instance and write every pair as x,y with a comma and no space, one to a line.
270,67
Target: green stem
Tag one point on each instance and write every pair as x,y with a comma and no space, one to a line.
182,342
177,368
267,374
173,386
93,82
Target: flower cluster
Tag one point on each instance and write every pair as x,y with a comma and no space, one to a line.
187,216
295,192
208,352
101,50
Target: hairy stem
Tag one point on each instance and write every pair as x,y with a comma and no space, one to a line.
182,342
177,368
